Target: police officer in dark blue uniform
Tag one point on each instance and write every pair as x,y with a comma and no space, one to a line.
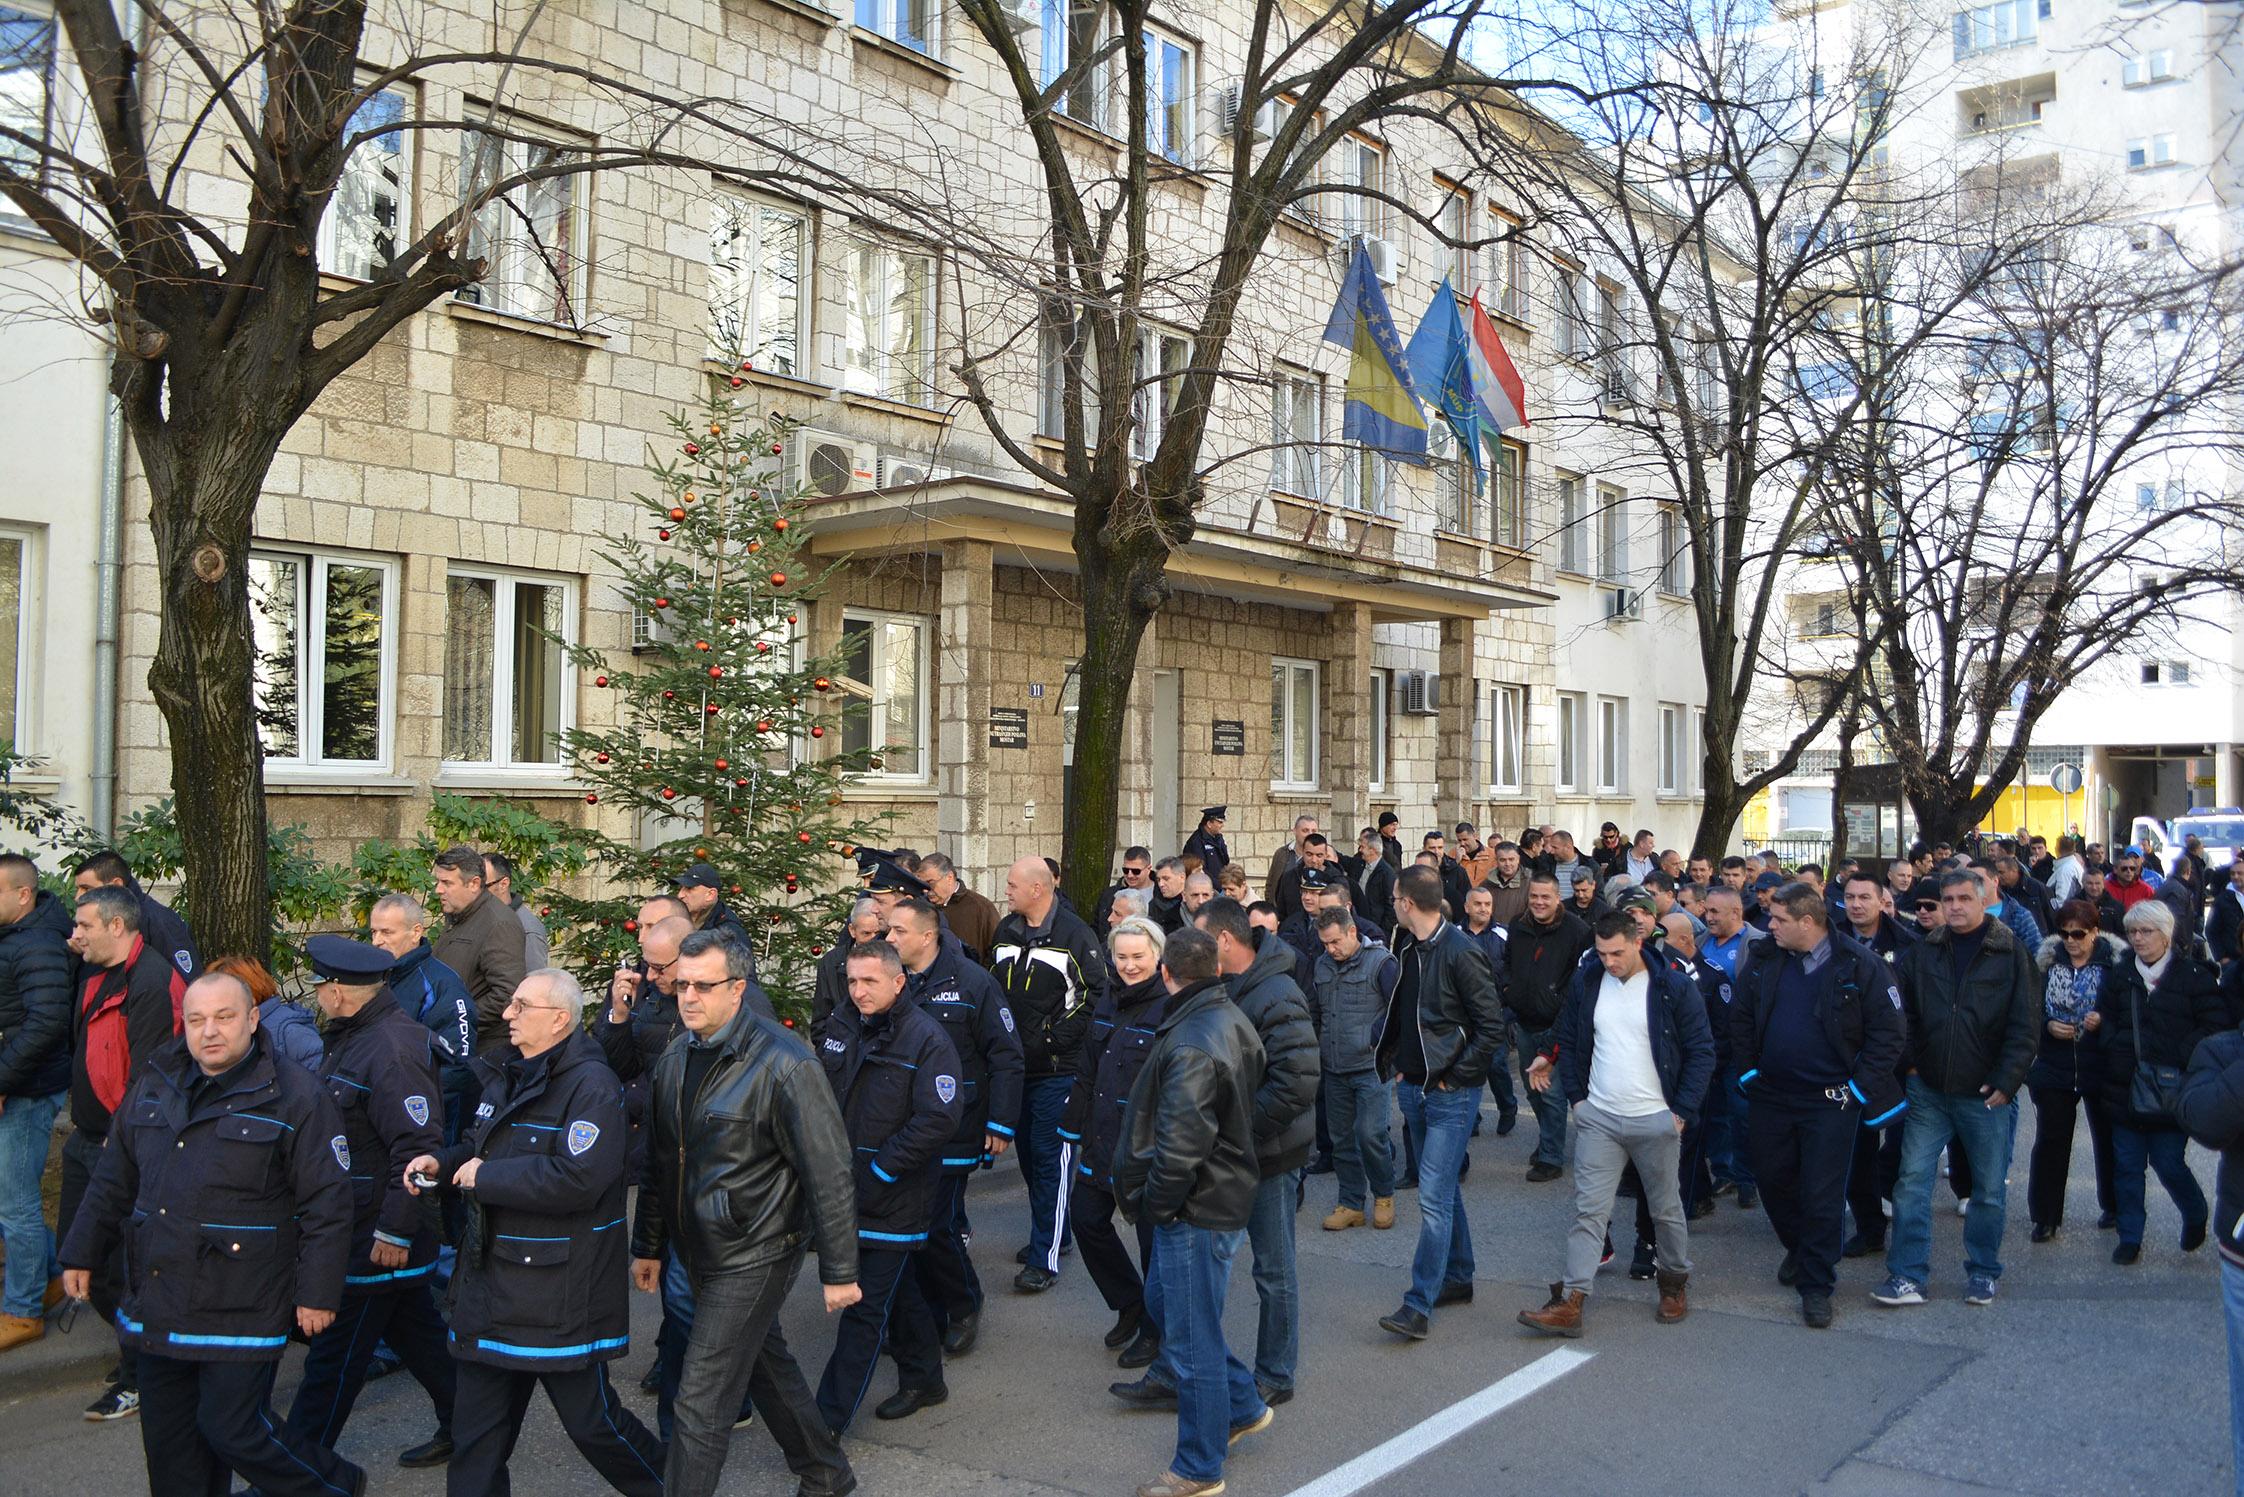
433,995
1207,843
895,1076
539,1292
959,995
227,1178
381,1076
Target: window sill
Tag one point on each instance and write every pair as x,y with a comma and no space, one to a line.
1505,322
902,408
1306,793
468,311
880,790
889,47
21,233
303,783
793,384
505,782
818,13
1086,134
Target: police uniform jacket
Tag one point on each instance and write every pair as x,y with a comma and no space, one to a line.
433,995
549,1289
232,1201
895,1077
964,999
1209,847
1858,1006
1122,1032
381,1076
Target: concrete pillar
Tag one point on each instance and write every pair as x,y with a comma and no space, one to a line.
1454,772
962,709
2224,774
1348,722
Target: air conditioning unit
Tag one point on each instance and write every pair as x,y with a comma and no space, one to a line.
1623,603
1021,16
647,629
1380,252
898,471
826,464
1421,693
1266,119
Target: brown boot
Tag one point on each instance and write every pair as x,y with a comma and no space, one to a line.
1342,1218
1561,1317
1383,1213
19,1330
1673,1306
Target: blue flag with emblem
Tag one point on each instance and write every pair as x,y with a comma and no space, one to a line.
1381,408
1440,357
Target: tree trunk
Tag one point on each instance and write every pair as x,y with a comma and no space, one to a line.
1122,589
1946,813
1718,817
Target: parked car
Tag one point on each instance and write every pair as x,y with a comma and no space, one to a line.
2219,828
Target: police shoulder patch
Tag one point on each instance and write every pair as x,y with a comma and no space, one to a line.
185,959
483,1110
946,1088
582,1136
417,1108
1005,1017
341,1148
837,1046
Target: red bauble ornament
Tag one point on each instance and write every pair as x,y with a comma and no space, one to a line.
822,684
676,513
693,449
630,925
711,709
668,793
764,725
670,696
790,618
802,836
754,547
779,579
790,1023
746,364
591,799
740,784
775,449
715,671
662,535
735,889
722,764
600,758
737,382
762,648
780,523
662,602
817,732
599,680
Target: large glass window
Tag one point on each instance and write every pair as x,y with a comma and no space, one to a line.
888,653
27,71
1573,727
1675,551
1361,167
1162,359
1507,493
532,238
1169,99
1507,269
1507,739
1612,745
888,322
15,561
759,261
1070,37
1297,403
323,631
506,680
1989,28
1612,535
1294,718
1673,748
911,22
1382,698
1573,525
371,212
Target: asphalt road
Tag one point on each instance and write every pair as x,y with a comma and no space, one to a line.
2081,1378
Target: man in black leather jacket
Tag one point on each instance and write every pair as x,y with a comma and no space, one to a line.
750,1162
1188,1165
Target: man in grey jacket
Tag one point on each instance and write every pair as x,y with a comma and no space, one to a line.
1348,995
482,941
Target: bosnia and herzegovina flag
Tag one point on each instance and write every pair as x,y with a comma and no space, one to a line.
1441,361
1381,406
1501,393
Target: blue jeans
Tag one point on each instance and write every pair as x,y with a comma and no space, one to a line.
1549,1104
2232,1303
27,1127
1215,1391
1363,1151
1277,1288
1500,1077
2165,1150
1441,1122
1985,1134
1048,1163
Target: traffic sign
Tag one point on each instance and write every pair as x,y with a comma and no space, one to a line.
2065,779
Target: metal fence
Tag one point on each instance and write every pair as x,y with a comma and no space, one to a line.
1794,850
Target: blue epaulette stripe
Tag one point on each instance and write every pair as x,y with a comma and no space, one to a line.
508,1348
384,1278
894,1236
181,1338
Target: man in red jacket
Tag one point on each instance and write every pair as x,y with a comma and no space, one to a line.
126,1009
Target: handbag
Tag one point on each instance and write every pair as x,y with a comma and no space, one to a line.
2154,1090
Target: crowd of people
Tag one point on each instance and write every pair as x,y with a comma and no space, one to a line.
466,1163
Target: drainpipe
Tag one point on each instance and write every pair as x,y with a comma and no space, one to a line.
108,611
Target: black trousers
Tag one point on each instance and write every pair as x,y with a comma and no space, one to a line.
2052,1160
201,1420
1801,1152
943,1280
736,1350
870,1324
1870,1181
1121,1283
487,1420
80,1153
335,1366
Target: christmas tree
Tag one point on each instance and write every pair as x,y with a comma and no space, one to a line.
719,749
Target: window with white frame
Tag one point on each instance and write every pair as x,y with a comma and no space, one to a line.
1456,485
1612,534
16,593
532,238
1169,97
2145,152
910,22
1456,220
27,76
887,652
1163,357
759,263
508,694
1070,36
1360,168
1988,28
1382,698
1612,345
1573,737
1365,476
1672,749
370,213
1297,423
1573,524
1062,342
1612,745
324,671
1694,760
888,322
1576,339
1507,739
2148,67
1294,719
1507,268
1675,551
1507,492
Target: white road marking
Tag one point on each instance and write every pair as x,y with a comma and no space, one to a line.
1385,1459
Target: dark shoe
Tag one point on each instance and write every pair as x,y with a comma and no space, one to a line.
116,1402
2109,1221
2044,1232
905,1402
1702,1207
1562,1316
2126,1253
1538,1174
1405,1322
2193,1237
1035,1279
1142,1351
381,1367
652,1382
1273,1396
1454,1294
1145,1393
1408,1182
1605,1257
436,1452
1674,1302
1023,1255
1860,1246
1815,1309
1322,1166
1125,1328
1464,1165
1506,1122
1476,1127
843,1488
1788,1272
1640,1263
959,1339
1748,1198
